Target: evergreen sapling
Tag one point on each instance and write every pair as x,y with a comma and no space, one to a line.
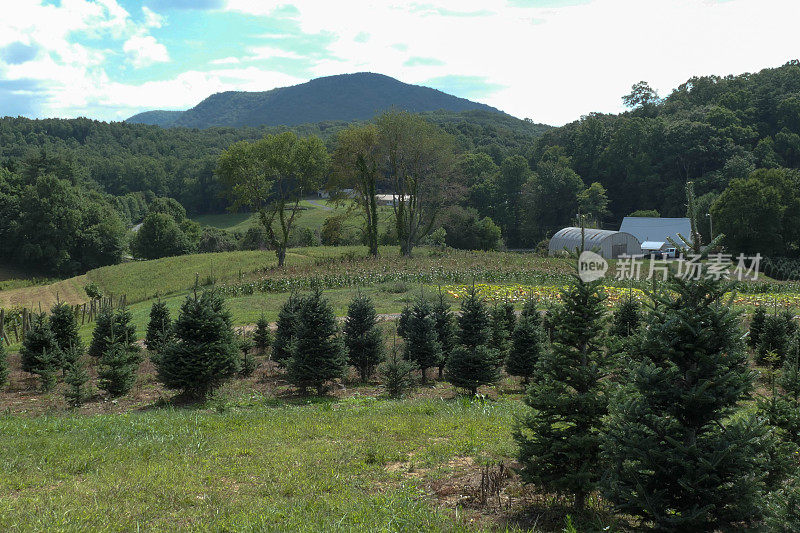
422,343
286,329
473,363
39,353
159,328
262,337
445,330
527,342
362,337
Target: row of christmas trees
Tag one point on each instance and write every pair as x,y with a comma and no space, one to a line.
656,413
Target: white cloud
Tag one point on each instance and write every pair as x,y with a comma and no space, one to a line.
556,63
151,18
226,61
144,50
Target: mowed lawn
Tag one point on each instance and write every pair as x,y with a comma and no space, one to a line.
358,464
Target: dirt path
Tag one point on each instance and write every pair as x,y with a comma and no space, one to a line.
321,206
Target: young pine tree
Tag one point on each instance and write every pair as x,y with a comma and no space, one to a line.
318,354
773,341
118,366
445,330
110,323
527,343
473,362
64,325
362,337
286,328
40,354
682,454
397,374
262,337
626,319
501,323
422,343
204,353
159,328
248,363
756,326
402,321
559,441
76,379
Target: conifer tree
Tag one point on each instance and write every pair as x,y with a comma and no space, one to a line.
626,318
362,337
317,351
248,363
501,324
397,374
402,321
791,322
422,343
286,328
76,379
773,341
3,365
682,454
39,353
756,325
204,353
118,365
64,325
159,328
527,342
445,330
108,321
473,363
262,337
559,437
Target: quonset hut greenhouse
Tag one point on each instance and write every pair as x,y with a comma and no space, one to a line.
609,244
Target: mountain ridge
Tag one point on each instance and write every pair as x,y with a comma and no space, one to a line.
342,97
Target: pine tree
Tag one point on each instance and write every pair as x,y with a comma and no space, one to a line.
64,325
501,324
263,335
76,378
108,321
559,437
422,343
362,337
682,454
204,353
626,319
118,365
248,363
3,365
286,329
791,322
473,363
756,325
527,343
445,330
773,341
159,328
397,374
402,321
318,354
39,353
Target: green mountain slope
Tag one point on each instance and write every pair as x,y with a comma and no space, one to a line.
344,97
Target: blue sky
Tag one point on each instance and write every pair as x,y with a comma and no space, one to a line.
550,60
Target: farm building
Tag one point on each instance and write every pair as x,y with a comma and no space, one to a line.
609,244
654,229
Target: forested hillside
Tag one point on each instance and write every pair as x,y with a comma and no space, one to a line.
345,97
710,130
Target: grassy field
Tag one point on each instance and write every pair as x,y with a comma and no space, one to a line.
359,464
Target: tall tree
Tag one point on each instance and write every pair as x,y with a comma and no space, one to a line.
559,437
357,163
682,452
270,177
419,164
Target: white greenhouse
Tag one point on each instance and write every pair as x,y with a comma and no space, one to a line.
609,244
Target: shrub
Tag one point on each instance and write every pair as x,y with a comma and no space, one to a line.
773,341
317,353
756,326
204,353
362,337
397,374
626,318
215,240
248,363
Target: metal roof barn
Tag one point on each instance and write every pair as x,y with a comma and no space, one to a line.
609,244
657,229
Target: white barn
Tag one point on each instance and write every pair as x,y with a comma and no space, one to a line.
655,229
609,244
